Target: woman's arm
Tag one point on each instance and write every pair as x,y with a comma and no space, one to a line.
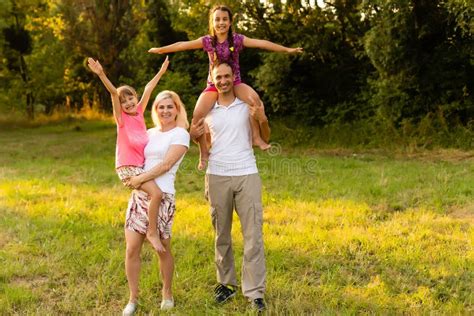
174,153
152,84
177,47
264,44
96,68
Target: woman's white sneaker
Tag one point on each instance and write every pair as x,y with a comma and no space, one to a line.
130,309
167,304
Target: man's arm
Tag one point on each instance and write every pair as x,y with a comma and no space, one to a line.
265,130
208,136
258,113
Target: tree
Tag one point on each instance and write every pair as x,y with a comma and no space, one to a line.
422,60
321,85
18,44
103,30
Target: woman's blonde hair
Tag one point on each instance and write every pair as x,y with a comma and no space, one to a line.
181,117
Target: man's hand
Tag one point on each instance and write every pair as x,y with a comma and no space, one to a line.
197,129
95,66
258,113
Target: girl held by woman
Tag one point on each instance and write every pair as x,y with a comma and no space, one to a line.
132,138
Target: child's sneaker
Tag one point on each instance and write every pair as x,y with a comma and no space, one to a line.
130,309
167,304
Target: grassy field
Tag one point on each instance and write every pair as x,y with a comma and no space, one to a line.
346,232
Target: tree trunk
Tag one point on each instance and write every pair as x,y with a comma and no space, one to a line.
30,99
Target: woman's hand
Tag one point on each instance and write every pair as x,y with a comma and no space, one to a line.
134,182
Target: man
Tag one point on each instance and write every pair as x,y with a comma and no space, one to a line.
232,180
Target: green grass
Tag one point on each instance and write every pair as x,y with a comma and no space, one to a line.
346,231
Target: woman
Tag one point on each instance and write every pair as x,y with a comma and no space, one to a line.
164,152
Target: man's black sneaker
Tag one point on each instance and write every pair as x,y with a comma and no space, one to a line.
222,293
258,304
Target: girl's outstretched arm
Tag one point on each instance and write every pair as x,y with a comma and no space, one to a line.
152,84
177,47
264,44
96,68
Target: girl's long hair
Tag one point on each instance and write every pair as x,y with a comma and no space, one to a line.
212,33
181,117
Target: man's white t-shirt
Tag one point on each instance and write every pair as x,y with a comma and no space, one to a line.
231,152
155,151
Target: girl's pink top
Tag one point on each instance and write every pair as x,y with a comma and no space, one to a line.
223,53
131,140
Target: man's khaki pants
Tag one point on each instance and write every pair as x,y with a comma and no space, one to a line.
245,194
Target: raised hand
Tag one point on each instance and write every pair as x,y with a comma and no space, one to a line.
164,66
95,66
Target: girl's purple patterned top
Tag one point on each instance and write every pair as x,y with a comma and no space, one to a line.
224,54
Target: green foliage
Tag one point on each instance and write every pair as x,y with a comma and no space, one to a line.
422,61
186,70
48,81
327,76
388,62
431,132
17,44
18,39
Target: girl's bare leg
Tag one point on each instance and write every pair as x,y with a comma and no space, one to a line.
203,107
132,262
155,195
248,95
167,269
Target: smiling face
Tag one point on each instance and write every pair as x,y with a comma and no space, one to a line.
223,78
221,22
128,99
129,104
167,111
